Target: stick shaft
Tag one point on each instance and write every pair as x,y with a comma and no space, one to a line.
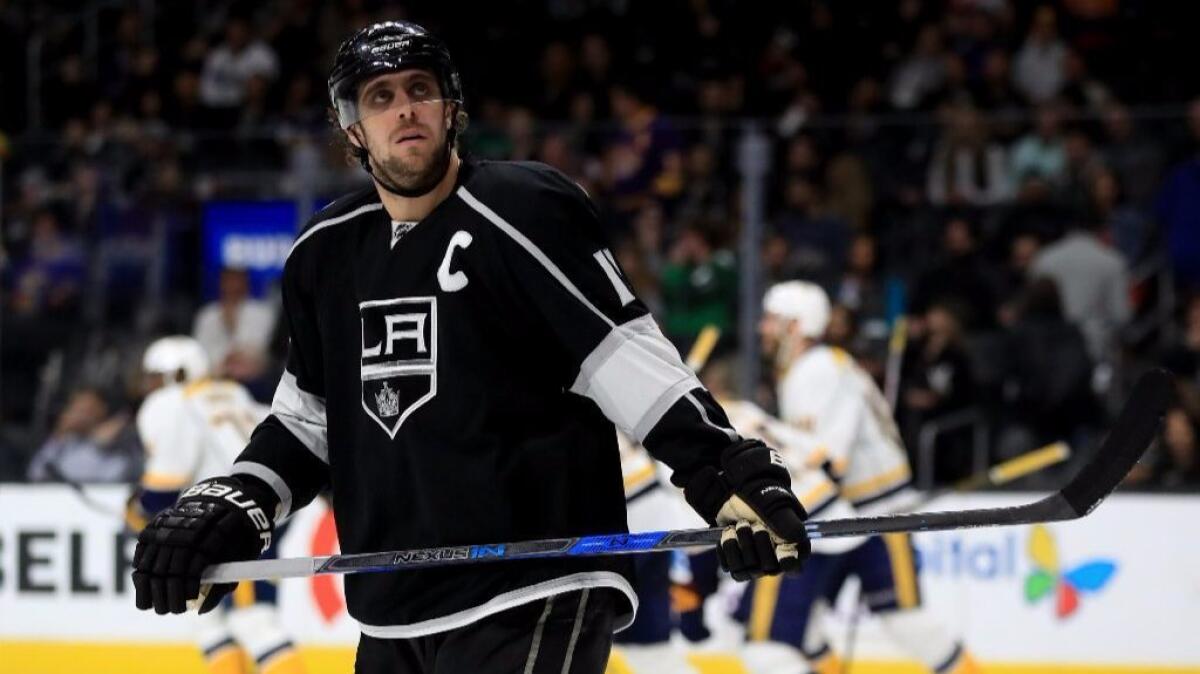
1133,431
616,544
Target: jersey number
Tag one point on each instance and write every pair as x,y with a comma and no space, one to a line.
605,259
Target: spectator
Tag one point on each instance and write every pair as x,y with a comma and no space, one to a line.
1041,155
802,158
818,239
91,442
235,330
967,167
486,135
48,281
231,64
1136,159
644,155
936,380
69,93
1039,69
1129,230
185,110
779,261
850,195
1081,89
1182,355
558,81
1048,374
842,330
595,76
521,129
1093,282
1082,166
699,284
922,73
1014,277
705,193
995,94
862,290
960,276
1178,209
1180,465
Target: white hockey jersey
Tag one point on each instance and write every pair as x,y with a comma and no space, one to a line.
828,397
194,431
652,503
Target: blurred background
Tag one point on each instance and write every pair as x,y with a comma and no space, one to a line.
1002,198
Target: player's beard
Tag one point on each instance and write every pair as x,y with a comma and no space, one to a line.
402,178
407,178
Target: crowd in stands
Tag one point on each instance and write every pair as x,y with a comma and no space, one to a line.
1020,181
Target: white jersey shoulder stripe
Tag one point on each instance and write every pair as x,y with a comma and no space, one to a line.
303,414
333,221
266,474
532,249
634,375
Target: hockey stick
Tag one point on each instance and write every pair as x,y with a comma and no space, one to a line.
1134,430
702,348
999,474
1006,471
895,358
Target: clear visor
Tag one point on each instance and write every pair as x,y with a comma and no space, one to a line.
391,93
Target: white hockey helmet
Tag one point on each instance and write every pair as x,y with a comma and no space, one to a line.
800,301
169,356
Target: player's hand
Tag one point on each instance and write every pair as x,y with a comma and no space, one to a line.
752,496
215,521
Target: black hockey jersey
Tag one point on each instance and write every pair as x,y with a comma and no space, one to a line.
461,387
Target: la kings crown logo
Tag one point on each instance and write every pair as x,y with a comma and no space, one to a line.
398,367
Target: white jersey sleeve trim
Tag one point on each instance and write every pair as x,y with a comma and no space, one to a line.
532,249
508,600
635,375
273,479
331,222
303,414
729,432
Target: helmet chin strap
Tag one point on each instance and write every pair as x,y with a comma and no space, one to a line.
407,192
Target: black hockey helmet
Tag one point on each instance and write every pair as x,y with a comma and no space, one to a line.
388,46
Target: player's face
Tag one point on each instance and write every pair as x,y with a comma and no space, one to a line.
770,332
403,127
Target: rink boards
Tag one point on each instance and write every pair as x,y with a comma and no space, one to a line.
1116,592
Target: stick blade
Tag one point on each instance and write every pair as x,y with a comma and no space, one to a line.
1131,434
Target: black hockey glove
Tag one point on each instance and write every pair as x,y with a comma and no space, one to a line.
217,520
752,495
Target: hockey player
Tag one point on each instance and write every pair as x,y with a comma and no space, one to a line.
824,394
462,343
193,427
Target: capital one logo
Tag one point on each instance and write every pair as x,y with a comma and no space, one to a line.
1049,577
398,366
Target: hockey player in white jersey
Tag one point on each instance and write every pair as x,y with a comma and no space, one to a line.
826,396
193,427
652,504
